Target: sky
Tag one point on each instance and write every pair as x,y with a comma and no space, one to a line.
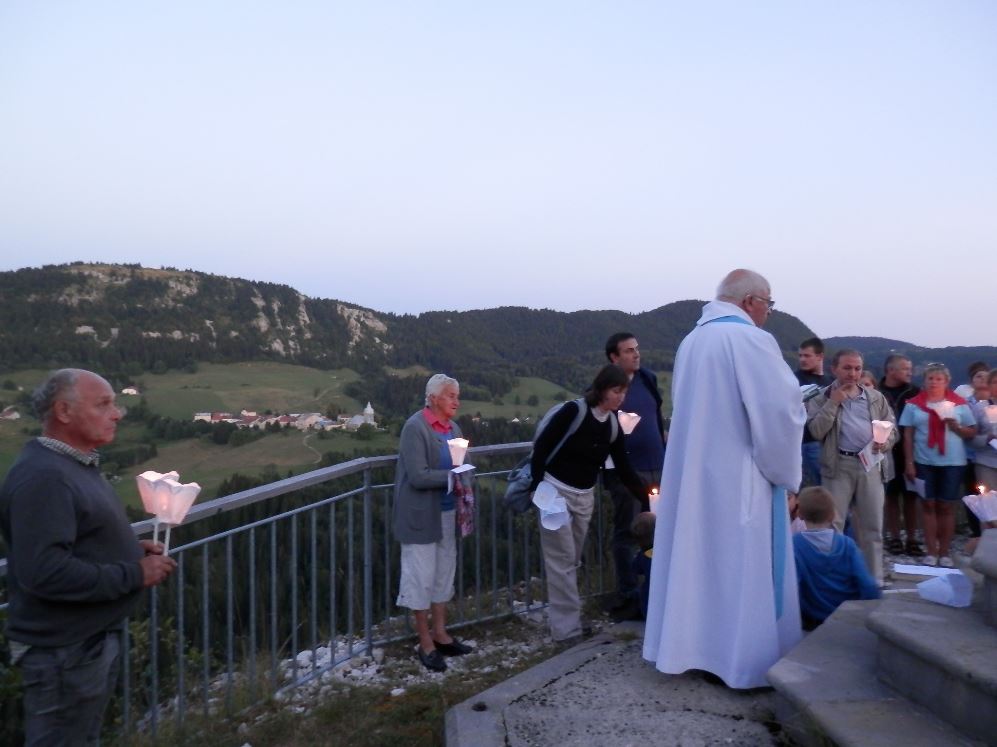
416,156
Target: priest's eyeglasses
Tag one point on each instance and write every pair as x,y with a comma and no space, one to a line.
768,301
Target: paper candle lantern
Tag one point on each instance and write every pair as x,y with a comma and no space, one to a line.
991,412
167,499
153,496
628,421
945,409
178,500
458,448
881,430
983,504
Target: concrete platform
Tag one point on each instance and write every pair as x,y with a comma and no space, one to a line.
602,692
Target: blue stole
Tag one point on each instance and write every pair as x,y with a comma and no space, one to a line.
780,516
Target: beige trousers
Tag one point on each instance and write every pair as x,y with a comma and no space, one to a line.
852,481
562,553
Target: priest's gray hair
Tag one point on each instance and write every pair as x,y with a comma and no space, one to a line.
741,283
437,383
59,385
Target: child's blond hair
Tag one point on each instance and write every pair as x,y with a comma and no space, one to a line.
816,505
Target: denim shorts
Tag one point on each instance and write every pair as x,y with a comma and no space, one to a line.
941,483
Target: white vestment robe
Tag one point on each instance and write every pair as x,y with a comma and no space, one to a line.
737,425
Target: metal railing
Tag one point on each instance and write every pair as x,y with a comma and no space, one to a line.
279,584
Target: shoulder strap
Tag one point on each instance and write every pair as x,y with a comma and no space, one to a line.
575,425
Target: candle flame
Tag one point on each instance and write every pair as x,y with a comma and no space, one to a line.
982,489
654,491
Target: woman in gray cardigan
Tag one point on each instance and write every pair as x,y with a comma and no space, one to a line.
424,520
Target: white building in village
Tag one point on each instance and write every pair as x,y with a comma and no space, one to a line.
303,421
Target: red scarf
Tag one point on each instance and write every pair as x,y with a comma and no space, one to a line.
936,426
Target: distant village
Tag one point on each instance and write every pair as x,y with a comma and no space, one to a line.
303,421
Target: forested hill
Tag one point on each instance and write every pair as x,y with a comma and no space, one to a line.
125,317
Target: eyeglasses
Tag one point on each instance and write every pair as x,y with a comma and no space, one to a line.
768,301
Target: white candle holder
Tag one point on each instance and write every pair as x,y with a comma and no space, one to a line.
458,449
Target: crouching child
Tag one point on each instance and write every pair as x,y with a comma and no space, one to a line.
829,565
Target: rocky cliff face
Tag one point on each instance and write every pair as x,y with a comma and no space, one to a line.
86,307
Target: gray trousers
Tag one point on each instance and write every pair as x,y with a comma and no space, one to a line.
562,553
851,481
66,690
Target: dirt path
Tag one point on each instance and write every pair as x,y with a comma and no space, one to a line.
312,449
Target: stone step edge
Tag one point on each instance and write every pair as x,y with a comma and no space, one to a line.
858,687
890,621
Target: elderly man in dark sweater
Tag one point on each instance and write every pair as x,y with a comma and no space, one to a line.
75,568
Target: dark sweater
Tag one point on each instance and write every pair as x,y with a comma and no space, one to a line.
898,396
73,559
578,462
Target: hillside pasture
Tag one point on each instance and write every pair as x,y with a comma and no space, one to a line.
525,387
258,385
208,464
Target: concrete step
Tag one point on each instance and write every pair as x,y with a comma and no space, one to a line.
829,693
943,658
985,563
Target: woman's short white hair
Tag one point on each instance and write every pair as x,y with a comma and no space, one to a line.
437,383
741,283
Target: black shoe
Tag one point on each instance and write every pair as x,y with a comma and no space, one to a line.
617,602
433,661
454,648
630,611
914,549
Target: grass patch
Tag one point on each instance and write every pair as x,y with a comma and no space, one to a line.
256,385
209,464
368,715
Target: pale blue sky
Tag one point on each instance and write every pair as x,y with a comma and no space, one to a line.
414,156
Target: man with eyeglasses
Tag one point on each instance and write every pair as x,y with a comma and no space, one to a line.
723,592
75,568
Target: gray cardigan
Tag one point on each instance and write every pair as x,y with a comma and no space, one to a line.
419,484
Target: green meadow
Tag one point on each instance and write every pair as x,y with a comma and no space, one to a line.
262,386
259,386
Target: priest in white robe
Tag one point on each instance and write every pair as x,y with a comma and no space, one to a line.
723,592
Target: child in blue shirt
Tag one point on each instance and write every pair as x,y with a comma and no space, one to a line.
643,531
829,566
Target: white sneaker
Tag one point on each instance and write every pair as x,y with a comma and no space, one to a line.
929,560
946,562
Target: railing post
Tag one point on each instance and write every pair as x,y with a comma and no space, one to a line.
154,658
368,564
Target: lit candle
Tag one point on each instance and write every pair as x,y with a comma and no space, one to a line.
152,499
991,412
653,497
167,499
